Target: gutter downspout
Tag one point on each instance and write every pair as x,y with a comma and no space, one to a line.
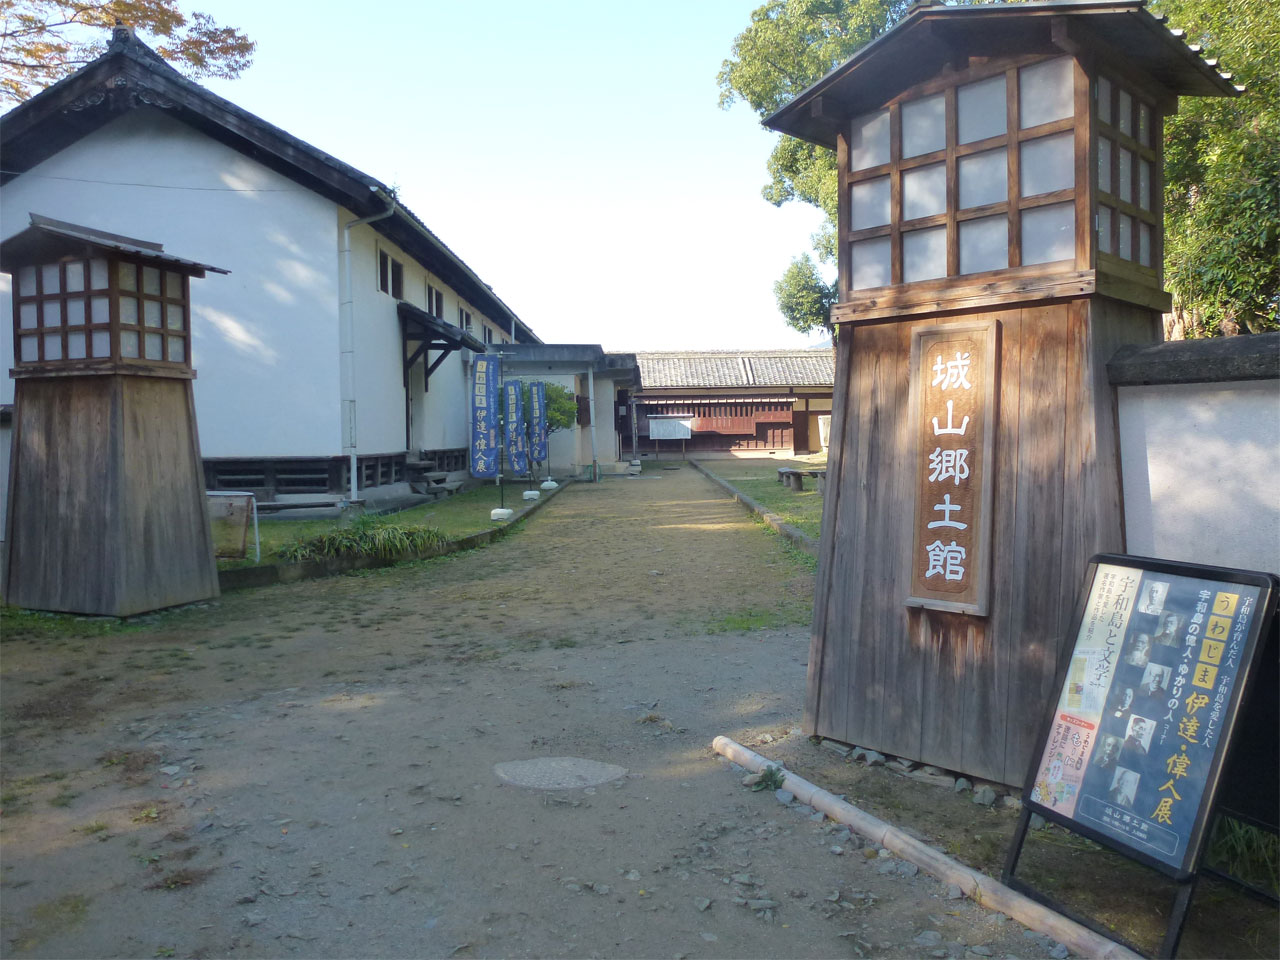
347,347
591,409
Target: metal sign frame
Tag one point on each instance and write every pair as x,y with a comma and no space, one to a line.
1185,872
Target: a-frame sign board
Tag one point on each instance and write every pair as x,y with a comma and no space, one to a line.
1148,708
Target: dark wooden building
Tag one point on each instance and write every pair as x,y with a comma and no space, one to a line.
730,402
1000,237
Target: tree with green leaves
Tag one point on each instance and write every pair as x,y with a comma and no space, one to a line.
42,41
1222,178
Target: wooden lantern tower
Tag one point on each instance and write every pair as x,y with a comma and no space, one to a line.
106,496
1000,237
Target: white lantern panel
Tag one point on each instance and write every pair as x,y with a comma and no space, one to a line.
981,111
1104,100
51,278
27,282
984,178
1049,234
75,277
1124,189
53,346
1104,229
177,349
924,126
1125,109
1048,164
984,244
872,263
173,316
129,344
75,311
1144,244
1125,231
51,313
29,348
1144,124
99,310
924,254
151,281
869,203
127,276
1045,92
1144,184
924,191
151,312
76,346
173,285
27,316
1104,164
128,310
98,275
869,140
101,343
154,346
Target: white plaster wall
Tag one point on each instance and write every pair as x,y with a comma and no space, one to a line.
1200,466
265,338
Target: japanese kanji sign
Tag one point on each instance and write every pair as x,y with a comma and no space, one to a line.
953,374
538,421
485,416
517,452
1139,729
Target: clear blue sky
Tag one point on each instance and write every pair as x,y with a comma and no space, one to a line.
572,152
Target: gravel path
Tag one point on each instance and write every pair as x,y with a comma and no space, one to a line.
313,773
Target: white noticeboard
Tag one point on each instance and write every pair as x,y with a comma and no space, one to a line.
670,429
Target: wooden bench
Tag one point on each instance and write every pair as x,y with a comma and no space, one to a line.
793,479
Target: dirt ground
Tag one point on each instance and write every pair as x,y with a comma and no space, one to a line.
309,770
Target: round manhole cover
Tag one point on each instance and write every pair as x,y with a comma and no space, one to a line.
557,773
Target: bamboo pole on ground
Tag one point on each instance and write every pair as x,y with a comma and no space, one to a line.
984,890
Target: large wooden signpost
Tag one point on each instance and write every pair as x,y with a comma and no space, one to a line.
999,239
1133,746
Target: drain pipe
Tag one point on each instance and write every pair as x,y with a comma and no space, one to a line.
347,346
591,410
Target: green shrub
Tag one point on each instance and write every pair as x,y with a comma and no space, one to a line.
364,537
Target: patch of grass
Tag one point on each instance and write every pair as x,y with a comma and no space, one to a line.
63,798
563,643
1246,853
742,621
89,829
363,537
53,916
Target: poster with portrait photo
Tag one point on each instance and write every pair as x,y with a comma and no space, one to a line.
1124,787
1121,703
1169,631
1139,651
1151,600
1137,738
1107,754
1155,680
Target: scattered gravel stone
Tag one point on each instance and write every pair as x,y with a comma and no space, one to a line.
703,905
982,951
908,869
835,747
962,785
954,892
253,919
784,796
984,795
817,816
1059,952
1011,803
709,937
928,938
751,779
1037,822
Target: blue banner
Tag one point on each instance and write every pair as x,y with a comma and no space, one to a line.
538,421
487,374
517,455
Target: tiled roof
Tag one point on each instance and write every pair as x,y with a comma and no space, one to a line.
736,368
